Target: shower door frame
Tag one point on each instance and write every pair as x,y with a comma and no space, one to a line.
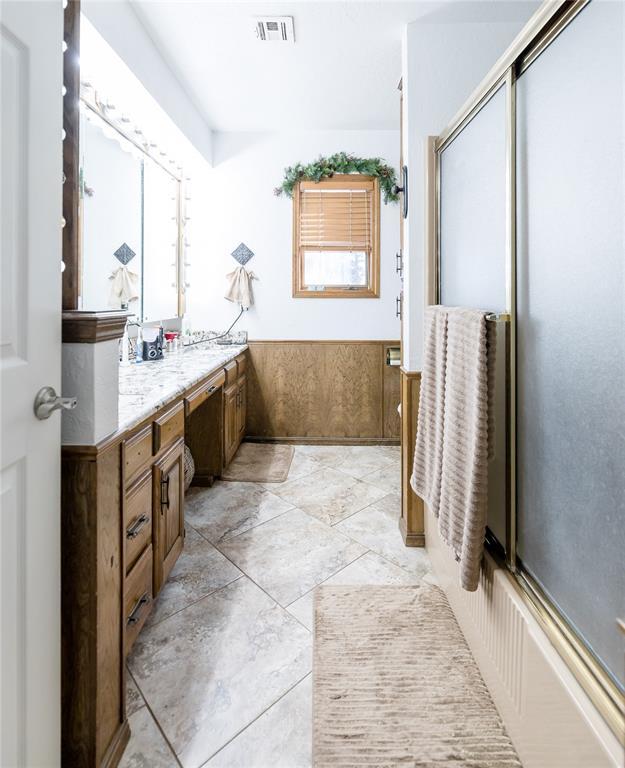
542,29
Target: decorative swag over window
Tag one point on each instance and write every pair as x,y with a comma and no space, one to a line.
336,237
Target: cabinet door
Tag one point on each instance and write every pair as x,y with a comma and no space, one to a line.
168,494
242,414
231,422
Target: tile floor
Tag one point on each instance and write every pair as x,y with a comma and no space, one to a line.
220,676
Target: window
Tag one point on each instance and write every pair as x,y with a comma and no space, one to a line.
336,238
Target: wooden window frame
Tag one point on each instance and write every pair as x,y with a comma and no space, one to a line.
372,289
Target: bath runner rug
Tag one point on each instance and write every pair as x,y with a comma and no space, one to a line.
260,463
395,684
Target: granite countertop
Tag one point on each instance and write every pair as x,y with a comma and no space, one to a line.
146,387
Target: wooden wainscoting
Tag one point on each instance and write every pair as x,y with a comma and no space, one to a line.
411,522
322,391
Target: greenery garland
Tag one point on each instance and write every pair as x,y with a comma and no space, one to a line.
341,162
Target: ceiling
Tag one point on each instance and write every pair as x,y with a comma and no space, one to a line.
341,73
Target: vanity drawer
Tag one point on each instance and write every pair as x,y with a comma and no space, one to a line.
138,519
137,453
168,427
138,597
230,369
241,363
203,392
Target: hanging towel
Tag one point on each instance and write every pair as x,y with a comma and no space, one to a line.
239,289
428,457
452,449
124,286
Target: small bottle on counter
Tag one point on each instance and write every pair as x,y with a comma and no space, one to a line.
139,346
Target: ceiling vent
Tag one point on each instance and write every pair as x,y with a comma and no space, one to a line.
278,28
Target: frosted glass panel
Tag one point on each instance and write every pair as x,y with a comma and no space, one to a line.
571,326
473,212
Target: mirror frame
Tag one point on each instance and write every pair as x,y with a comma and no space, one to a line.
97,108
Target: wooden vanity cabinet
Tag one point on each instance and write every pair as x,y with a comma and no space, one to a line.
235,407
168,495
122,507
231,423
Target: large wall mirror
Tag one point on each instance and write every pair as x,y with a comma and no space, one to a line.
130,224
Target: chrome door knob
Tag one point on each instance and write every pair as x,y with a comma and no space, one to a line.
47,401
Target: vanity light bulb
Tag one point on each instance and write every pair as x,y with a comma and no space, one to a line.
64,46
63,91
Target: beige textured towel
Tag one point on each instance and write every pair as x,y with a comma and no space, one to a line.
451,454
239,288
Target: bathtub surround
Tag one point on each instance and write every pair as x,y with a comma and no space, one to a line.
364,689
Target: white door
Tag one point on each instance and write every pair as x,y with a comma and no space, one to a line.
31,35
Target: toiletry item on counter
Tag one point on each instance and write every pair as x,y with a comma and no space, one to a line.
123,357
139,346
153,344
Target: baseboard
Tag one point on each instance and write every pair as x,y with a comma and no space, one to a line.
324,440
549,717
410,539
117,746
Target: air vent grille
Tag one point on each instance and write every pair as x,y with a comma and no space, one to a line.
274,29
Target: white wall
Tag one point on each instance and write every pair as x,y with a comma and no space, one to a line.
239,206
444,58
119,26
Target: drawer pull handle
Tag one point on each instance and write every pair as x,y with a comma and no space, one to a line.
211,389
139,523
136,612
165,492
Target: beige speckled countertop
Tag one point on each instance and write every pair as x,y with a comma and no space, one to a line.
148,386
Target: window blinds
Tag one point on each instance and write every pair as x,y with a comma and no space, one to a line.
336,217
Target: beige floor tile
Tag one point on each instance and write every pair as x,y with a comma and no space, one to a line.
134,699
280,738
388,478
147,748
291,554
200,570
210,670
329,495
360,461
228,509
377,528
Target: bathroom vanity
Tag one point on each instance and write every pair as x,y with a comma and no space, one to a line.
123,526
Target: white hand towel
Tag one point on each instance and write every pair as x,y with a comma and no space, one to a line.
124,286
239,289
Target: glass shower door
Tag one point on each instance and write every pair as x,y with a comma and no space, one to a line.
571,327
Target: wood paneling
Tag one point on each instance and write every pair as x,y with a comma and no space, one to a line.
411,522
81,327
321,391
392,397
